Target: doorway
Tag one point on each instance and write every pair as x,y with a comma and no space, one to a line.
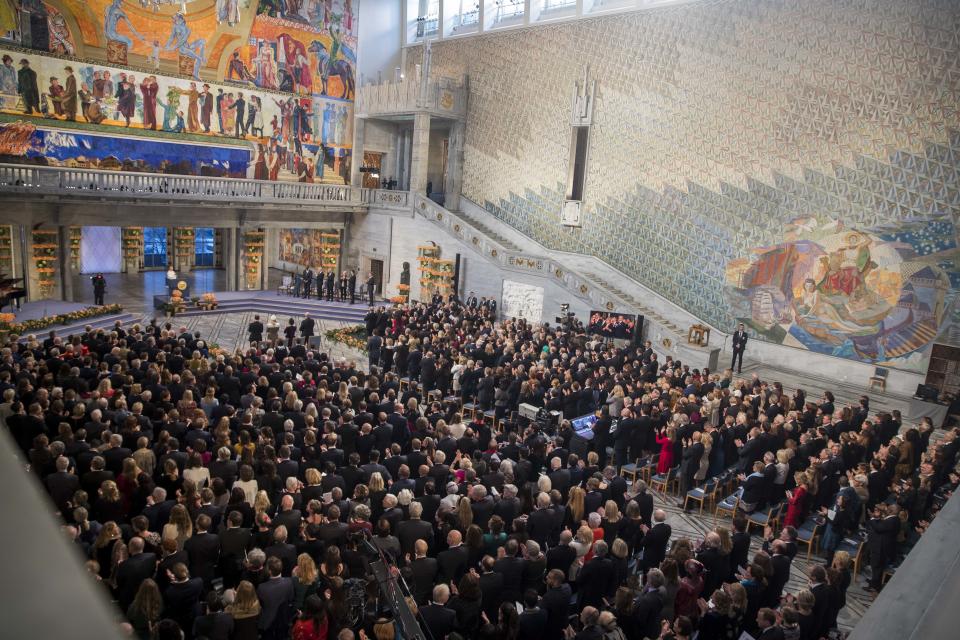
204,247
376,268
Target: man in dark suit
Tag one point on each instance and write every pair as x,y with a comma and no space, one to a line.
134,570
491,588
370,288
62,484
690,462
234,544
559,477
116,454
596,578
438,618
182,597
352,286
715,562
425,571
739,346
453,561
556,602
413,529
512,568
542,524
821,605
255,329
331,284
655,540
767,625
203,550
882,530
280,549
781,573
306,327
276,600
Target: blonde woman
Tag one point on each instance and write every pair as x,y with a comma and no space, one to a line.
615,400
575,506
707,441
261,503
108,537
611,521
306,579
245,611
179,528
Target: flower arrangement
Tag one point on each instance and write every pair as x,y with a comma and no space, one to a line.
7,319
355,336
399,299
207,301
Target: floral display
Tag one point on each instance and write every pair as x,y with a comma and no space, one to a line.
355,336
7,323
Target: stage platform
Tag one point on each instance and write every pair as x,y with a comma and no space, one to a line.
283,306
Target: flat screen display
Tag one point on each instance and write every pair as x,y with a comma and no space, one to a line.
612,325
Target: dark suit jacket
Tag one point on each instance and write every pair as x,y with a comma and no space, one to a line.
654,545
425,572
453,564
62,485
287,554
556,602
512,570
542,526
276,594
439,620
409,531
595,581
182,601
203,549
131,573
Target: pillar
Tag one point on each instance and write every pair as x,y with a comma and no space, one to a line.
230,257
404,182
356,178
452,186
65,268
419,153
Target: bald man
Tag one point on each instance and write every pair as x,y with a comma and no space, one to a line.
655,540
134,570
425,571
453,561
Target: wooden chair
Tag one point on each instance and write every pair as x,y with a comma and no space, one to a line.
706,493
663,481
404,383
646,471
286,285
632,469
763,519
853,546
730,504
809,533
468,410
879,379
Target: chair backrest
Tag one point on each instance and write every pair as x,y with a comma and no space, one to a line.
881,372
286,280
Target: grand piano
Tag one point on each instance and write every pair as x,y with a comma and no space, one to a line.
11,292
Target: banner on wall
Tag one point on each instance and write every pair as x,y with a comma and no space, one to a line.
522,300
100,250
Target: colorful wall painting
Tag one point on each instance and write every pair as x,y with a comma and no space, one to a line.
24,143
292,137
276,75
874,296
302,247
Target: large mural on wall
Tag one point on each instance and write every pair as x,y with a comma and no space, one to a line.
720,130
876,296
23,142
277,78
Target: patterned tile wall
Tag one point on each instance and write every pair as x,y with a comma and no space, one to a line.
716,124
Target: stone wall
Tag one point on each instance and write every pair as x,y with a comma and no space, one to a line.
736,147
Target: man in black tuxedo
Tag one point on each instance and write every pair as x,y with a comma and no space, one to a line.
425,571
655,540
134,570
331,284
306,328
370,287
307,282
453,561
556,602
276,595
62,484
234,544
739,345
255,329
116,454
767,624
438,618
596,578
882,530
690,462
282,550
352,286
203,550
182,597
413,529
321,278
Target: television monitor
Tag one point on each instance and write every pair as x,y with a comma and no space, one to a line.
608,324
583,426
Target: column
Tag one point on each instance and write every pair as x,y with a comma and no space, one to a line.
63,258
396,160
230,257
405,159
420,153
454,179
356,178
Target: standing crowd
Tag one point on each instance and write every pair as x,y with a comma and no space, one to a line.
246,495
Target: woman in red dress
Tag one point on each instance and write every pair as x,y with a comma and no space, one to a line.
666,440
797,502
312,624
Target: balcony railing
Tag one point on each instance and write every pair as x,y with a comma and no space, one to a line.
387,198
121,184
443,97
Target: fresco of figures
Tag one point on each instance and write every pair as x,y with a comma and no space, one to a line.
297,135
873,295
276,78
